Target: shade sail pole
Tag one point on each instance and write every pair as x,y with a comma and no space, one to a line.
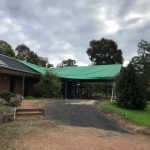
112,93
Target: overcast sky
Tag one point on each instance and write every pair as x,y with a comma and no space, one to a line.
62,29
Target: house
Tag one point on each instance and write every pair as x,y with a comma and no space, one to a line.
16,77
20,77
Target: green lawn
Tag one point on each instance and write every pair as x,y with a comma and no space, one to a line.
136,116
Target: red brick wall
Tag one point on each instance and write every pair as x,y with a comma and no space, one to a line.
4,82
29,84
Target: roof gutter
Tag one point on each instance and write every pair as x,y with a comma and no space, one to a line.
19,70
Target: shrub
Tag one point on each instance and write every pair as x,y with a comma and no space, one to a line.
15,102
130,89
86,92
49,86
148,93
6,95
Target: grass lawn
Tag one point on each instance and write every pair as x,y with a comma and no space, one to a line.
141,117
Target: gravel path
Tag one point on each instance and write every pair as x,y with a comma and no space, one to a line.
80,115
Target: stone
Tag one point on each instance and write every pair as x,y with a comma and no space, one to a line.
3,102
19,97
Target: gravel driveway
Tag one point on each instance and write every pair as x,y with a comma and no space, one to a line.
80,115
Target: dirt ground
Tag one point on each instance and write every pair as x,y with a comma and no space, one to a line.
63,137
50,134
35,104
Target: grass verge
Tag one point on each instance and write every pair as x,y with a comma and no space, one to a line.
141,117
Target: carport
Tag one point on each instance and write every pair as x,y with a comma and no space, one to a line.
97,74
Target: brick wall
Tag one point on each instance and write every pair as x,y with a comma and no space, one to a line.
4,82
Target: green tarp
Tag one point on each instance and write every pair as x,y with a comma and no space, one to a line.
104,72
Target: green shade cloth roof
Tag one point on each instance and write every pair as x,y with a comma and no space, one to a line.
105,72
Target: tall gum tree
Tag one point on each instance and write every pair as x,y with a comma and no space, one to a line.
104,51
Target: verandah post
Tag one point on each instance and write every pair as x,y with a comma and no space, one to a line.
23,84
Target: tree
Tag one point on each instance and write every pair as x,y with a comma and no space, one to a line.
49,86
104,51
6,49
22,52
130,89
142,64
42,62
33,57
67,63
49,65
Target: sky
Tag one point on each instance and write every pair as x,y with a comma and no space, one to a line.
62,29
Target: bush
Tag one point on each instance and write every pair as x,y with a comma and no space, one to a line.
130,89
148,93
15,102
86,92
49,86
6,95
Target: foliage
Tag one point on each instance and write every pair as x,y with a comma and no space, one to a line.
49,65
49,86
29,98
104,51
33,58
130,89
138,116
6,49
86,91
44,62
142,64
67,63
142,61
15,102
6,95
22,52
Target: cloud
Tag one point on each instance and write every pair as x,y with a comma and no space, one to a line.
63,29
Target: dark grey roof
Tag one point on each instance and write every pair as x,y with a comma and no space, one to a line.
14,64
